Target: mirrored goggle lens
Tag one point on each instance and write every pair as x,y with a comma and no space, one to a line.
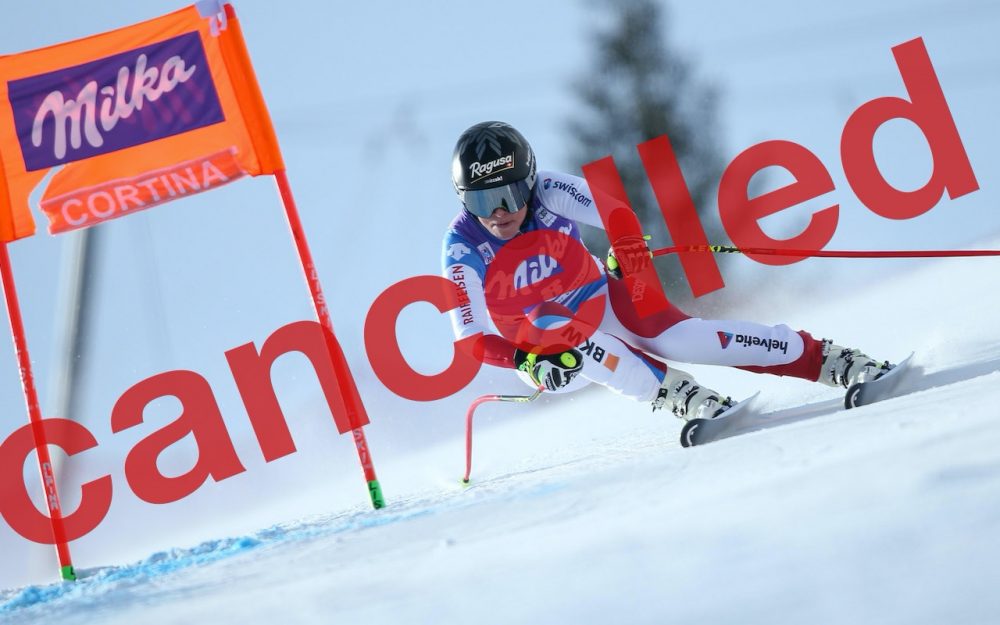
512,197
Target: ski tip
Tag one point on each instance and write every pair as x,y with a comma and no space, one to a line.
701,431
687,433
864,393
853,397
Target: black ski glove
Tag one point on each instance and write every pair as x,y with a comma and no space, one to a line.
553,371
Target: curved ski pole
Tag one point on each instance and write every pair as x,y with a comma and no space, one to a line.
468,421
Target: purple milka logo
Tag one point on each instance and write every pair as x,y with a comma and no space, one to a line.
114,103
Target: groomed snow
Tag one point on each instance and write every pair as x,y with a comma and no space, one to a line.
586,510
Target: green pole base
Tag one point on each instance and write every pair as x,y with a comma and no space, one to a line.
68,574
375,490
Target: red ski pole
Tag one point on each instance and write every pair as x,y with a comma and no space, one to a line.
468,421
765,251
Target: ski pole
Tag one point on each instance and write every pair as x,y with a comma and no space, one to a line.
764,251
468,421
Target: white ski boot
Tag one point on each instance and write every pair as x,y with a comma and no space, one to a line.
846,367
687,399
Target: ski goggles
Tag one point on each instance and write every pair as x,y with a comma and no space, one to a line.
512,197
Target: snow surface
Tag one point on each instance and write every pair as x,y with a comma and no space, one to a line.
587,510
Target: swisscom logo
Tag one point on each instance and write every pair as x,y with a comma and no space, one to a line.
113,103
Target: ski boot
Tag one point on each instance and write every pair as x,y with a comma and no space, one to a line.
687,399
846,367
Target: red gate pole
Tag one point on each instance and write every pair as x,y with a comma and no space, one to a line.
345,382
35,416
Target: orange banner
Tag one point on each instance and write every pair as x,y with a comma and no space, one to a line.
101,127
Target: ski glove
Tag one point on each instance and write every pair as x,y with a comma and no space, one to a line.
553,371
612,264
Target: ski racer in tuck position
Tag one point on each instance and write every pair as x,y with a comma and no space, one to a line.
504,196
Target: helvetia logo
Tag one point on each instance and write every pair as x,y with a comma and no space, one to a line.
752,341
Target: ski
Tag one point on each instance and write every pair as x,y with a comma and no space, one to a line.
747,412
700,431
865,393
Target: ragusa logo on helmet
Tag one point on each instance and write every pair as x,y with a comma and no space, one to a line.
480,170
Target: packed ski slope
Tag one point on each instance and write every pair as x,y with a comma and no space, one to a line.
587,510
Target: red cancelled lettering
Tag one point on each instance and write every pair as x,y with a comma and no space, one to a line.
16,506
383,350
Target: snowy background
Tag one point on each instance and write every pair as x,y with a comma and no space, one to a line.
583,509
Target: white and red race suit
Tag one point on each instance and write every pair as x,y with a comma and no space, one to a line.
623,352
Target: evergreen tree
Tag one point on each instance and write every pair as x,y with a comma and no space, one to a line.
638,88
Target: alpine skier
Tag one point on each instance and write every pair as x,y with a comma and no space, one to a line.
503,196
